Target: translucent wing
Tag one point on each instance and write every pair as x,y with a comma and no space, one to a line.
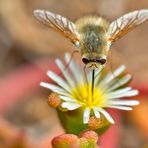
58,23
125,23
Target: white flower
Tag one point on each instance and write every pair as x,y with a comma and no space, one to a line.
75,91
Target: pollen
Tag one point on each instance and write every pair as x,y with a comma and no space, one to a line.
83,94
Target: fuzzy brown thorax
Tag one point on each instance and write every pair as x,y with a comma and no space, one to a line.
93,39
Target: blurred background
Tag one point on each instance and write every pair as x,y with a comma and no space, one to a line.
27,51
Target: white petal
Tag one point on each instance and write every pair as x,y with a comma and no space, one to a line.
132,93
120,107
124,102
59,80
106,114
97,75
71,105
65,72
121,82
54,88
120,91
86,115
119,70
113,75
96,112
67,99
74,68
126,94
89,76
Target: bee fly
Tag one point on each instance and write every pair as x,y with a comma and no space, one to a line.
93,35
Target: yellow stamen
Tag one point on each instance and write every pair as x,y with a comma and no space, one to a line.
83,94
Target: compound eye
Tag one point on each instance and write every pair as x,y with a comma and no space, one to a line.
85,60
101,61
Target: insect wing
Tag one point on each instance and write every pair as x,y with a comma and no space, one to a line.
58,23
125,23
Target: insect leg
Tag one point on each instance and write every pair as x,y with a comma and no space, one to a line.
111,68
85,74
68,63
72,55
86,79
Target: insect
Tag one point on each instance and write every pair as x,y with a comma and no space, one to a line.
93,35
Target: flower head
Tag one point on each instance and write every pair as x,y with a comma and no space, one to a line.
75,90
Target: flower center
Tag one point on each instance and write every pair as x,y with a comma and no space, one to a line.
83,94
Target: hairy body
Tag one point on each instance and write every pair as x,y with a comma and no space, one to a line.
93,37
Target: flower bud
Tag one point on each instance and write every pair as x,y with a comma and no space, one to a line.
90,135
65,141
83,142
97,123
54,100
